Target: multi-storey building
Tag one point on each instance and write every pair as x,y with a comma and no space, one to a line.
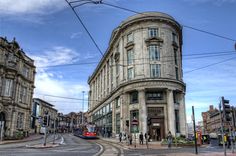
42,109
17,73
212,120
140,78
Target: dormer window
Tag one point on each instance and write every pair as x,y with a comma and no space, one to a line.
152,32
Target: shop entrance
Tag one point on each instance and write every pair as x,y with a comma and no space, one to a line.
156,125
157,129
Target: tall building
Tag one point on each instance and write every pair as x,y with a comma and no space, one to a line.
139,79
17,73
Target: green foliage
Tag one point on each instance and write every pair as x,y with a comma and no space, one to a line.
179,141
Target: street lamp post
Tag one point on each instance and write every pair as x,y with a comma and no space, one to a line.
83,108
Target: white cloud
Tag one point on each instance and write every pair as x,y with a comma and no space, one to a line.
76,35
16,7
53,83
56,56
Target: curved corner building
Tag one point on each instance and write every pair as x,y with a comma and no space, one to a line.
138,86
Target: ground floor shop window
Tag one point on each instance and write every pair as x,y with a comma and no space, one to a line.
118,123
134,114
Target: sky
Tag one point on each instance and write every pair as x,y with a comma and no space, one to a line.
49,32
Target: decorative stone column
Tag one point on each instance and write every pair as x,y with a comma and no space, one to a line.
143,112
182,114
171,111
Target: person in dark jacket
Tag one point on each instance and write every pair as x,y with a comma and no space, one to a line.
141,138
120,136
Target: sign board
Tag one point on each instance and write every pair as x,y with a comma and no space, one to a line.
156,124
134,122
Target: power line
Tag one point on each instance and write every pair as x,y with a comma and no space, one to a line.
63,97
210,65
188,56
210,33
196,29
81,22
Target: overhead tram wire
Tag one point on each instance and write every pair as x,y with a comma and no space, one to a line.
188,57
63,97
196,29
210,65
81,22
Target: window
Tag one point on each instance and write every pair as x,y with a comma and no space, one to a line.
155,95
174,37
20,121
8,87
155,70
130,57
134,97
130,73
118,123
117,68
117,100
177,121
25,71
152,32
175,55
23,94
176,73
134,114
154,53
130,37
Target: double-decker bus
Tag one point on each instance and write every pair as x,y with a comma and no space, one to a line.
87,131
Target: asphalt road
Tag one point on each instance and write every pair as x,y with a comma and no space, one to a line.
72,146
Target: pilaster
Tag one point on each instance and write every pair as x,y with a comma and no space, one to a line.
142,111
171,111
182,114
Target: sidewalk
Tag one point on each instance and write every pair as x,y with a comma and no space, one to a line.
157,145
124,144
29,138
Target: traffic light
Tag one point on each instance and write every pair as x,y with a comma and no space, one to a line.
148,121
127,123
45,120
226,110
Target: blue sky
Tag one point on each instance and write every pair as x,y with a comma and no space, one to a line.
49,32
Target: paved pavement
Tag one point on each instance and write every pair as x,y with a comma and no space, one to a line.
29,138
158,146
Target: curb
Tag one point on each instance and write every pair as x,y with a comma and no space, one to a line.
19,141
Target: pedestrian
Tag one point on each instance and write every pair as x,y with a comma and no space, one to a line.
130,138
120,136
169,139
141,138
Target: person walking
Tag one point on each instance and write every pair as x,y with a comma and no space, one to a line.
169,139
120,136
141,138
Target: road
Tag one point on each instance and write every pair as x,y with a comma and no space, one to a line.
74,146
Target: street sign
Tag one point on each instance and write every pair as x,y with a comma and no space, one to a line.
134,122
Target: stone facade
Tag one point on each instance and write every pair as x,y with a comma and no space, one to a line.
41,109
17,74
140,77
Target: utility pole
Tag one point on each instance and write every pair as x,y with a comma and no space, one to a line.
194,130
83,108
222,129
